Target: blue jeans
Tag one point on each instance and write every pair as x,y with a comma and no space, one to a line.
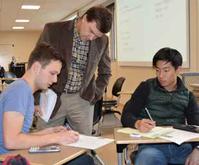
162,154
83,159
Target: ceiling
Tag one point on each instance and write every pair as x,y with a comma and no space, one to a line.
50,11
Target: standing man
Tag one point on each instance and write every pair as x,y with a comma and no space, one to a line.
169,103
17,106
84,46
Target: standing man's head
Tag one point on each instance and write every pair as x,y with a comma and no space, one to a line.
167,63
95,22
44,65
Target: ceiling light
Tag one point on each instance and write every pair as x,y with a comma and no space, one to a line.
30,7
22,20
17,27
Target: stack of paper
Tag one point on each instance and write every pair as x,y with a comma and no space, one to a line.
174,135
154,133
90,142
179,136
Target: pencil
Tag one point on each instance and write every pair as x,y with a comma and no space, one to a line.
147,111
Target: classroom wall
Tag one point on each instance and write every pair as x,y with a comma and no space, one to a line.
134,75
23,42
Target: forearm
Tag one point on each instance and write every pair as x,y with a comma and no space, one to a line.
23,141
50,130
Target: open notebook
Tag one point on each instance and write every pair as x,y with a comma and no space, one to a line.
169,133
154,133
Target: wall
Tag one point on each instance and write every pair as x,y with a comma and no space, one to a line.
23,42
134,75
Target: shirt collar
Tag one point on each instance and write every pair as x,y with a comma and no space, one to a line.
180,85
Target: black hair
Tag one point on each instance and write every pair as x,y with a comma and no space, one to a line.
170,55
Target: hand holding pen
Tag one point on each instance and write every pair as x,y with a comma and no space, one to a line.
145,125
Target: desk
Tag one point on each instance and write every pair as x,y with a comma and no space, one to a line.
122,140
66,154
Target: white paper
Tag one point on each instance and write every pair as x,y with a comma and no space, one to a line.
90,142
179,136
48,100
154,133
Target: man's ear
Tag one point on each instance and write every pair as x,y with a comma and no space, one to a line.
36,67
178,70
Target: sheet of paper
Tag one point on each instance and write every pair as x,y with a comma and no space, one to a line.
91,142
48,100
154,133
179,136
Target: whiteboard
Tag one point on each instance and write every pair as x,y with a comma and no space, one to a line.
145,26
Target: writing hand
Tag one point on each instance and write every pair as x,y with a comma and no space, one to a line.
144,125
67,137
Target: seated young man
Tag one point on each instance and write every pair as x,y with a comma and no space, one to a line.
17,106
169,102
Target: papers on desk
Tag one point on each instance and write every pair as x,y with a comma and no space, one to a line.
154,133
168,133
90,142
179,136
47,103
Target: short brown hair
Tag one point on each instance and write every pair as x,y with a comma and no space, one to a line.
44,53
102,16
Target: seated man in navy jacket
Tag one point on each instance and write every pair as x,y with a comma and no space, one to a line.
169,102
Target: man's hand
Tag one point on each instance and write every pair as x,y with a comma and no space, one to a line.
38,111
193,158
66,137
144,125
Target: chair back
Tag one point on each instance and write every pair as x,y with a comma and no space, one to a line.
190,78
9,75
117,87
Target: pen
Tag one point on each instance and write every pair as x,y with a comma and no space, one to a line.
67,126
147,111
